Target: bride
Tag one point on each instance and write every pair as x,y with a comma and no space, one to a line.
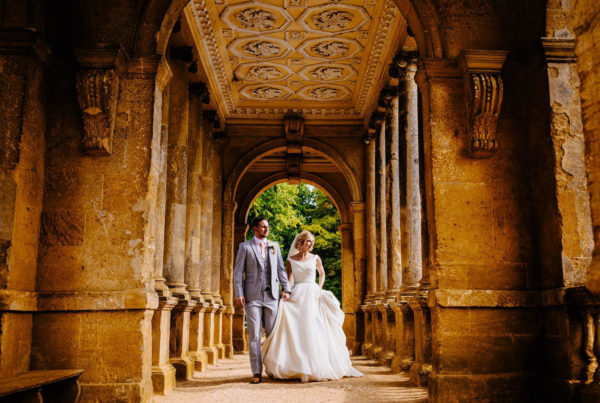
307,340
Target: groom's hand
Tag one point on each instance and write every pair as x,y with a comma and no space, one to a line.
241,301
285,296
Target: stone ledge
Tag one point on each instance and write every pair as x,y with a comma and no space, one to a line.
97,300
18,301
457,298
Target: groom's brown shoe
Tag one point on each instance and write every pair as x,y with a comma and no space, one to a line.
256,378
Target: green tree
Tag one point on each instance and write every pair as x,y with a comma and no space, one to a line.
291,209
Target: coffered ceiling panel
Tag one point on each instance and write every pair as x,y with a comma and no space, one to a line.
324,59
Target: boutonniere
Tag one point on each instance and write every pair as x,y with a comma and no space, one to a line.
271,248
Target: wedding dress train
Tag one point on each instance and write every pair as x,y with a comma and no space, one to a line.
307,341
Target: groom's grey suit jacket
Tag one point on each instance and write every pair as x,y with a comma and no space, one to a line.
249,261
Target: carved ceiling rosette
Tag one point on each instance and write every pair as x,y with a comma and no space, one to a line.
327,72
330,49
334,18
263,71
256,17
265,92
324,92
260,48
484,91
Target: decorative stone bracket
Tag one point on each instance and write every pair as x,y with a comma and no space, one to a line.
97,92
293,128
484,90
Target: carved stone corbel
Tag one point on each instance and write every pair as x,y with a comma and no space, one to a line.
97,92
293,128
484,91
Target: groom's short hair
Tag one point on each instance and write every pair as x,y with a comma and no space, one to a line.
257,221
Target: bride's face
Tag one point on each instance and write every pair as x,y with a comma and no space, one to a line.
308,245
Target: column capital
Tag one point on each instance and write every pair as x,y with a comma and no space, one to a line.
105,57
357,207
25,42
199,90
403,63
346,227
429,69
559,50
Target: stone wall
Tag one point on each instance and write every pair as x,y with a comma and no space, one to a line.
586,25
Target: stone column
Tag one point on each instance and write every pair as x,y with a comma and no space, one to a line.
227,250
358,236
193,240
413,272
163,373
206,237
371,216
395,231
348,284
176,220
23,133
382,270
239,338
194,229
174,258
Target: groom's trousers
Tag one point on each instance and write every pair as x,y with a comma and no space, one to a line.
260,312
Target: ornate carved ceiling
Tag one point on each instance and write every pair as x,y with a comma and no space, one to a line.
323,59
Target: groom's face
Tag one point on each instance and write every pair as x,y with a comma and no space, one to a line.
262,229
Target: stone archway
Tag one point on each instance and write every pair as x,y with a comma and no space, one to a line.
349,270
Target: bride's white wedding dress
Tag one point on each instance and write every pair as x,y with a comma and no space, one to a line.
307,341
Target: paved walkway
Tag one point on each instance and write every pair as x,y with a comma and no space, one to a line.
228,382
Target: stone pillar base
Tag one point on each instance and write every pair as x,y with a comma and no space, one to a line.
419,373
400,364
212,354
184,367
229,351
366,348
386,358
200,360
163,378
375,353
220,351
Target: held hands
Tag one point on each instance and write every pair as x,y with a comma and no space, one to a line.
285,296
241,301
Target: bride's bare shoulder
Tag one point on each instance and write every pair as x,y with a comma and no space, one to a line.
295,257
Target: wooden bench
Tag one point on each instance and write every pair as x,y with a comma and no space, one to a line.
59,385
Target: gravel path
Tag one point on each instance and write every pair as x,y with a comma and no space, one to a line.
228,382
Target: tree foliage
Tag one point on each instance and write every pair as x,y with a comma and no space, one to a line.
291,209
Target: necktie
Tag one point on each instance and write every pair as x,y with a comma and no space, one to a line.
262,249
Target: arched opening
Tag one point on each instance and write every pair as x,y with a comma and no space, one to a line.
291,209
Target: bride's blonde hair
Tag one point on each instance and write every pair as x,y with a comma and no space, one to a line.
302,237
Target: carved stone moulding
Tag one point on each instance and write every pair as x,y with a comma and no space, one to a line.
97,88
484,91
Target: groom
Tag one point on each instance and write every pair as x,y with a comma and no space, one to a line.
258,292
